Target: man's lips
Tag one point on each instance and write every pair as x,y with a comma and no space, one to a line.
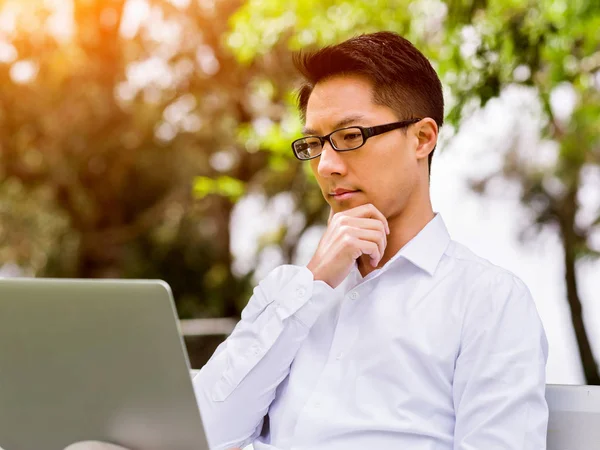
341,194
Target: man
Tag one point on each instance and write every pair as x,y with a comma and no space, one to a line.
393,336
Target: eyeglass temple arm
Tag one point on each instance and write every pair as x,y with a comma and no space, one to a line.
379,129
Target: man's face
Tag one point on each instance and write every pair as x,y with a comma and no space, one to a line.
384,171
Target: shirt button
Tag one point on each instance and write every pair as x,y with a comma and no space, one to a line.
256,350
339,356
300,292
354,295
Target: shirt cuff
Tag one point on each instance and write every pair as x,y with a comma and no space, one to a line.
303,298
322,297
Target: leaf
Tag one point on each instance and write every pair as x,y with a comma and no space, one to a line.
224,186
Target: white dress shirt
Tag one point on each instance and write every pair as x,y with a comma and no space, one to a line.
437,350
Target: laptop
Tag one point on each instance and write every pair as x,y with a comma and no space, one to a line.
574,422
94,360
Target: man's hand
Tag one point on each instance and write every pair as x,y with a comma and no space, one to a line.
358,231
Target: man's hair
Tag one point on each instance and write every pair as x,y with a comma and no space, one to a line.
402,77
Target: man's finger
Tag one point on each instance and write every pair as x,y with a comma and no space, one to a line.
361,222
372,249
372,236
368,211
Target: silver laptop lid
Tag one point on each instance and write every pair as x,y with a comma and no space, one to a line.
94,360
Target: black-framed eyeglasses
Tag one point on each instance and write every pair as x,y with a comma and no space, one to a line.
343,140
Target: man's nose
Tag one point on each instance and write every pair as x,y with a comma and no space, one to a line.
330,162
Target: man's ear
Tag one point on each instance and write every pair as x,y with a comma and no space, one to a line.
426,132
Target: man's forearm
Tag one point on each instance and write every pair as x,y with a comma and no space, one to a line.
236,387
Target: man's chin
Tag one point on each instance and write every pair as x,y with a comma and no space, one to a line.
345,205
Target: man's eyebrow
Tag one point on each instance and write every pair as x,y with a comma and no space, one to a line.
340,124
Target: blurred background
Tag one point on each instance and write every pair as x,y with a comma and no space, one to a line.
150,139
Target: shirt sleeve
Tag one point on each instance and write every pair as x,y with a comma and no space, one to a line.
500,375
236,386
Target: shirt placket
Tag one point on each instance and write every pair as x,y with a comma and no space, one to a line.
324,400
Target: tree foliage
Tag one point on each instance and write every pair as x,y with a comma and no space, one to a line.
103,134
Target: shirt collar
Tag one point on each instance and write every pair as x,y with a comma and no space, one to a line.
426,249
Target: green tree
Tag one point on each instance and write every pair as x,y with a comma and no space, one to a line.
105,130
